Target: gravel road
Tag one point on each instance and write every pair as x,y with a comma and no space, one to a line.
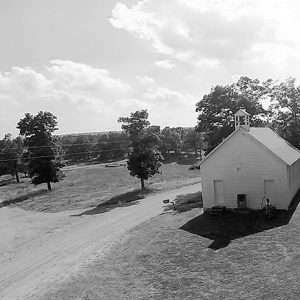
39,249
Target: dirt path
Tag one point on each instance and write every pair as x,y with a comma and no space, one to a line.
38,249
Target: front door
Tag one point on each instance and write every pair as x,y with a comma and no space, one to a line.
241,201
219,191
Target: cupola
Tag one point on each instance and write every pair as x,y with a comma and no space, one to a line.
242,120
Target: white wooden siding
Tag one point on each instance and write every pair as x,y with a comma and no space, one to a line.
293,175
243,165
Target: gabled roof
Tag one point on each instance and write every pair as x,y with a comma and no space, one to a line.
270,140
279,146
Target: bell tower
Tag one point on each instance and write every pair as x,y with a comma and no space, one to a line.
242,120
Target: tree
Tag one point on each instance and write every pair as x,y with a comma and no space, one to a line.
194,141
78,148
111,146
44,164
10,156
145,159
135,125
171,140
155,129
216,110
285,105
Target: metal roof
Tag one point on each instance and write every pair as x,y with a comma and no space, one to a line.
280,147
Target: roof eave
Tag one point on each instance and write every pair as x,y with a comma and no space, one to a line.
220,145
250,136
268,149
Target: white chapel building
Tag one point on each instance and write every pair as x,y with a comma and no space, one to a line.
250,165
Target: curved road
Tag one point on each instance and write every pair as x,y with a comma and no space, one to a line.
38,249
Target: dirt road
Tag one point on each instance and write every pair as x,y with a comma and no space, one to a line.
39,249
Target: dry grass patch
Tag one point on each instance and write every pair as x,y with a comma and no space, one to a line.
157,260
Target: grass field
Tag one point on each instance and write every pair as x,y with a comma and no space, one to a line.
158,260
87,186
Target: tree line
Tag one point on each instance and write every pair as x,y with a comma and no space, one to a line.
116,145
41,155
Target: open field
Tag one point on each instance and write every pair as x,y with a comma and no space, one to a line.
158,260
87,186
39,250
176,255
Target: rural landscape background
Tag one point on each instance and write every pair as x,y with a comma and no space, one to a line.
107,110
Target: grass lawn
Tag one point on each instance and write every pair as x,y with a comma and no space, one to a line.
88,186
158,260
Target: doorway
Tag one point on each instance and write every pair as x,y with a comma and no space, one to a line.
241,201
219,191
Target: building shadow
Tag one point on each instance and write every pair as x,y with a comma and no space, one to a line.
232,224
123,200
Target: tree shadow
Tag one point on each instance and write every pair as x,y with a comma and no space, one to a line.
22,198
123,200
232,224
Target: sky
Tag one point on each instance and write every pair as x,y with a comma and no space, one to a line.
91,62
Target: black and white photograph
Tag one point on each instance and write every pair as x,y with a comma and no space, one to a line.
149,149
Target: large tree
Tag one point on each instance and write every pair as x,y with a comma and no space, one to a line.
171,140
145,159
193,140
285,105
216,110
44,164
10,156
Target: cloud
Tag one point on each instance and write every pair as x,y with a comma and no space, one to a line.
168,107
170,97
85,96
81,96
140,23
69,74
207,63
214,33
145,80
164,64
132,104
64,81
22,81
